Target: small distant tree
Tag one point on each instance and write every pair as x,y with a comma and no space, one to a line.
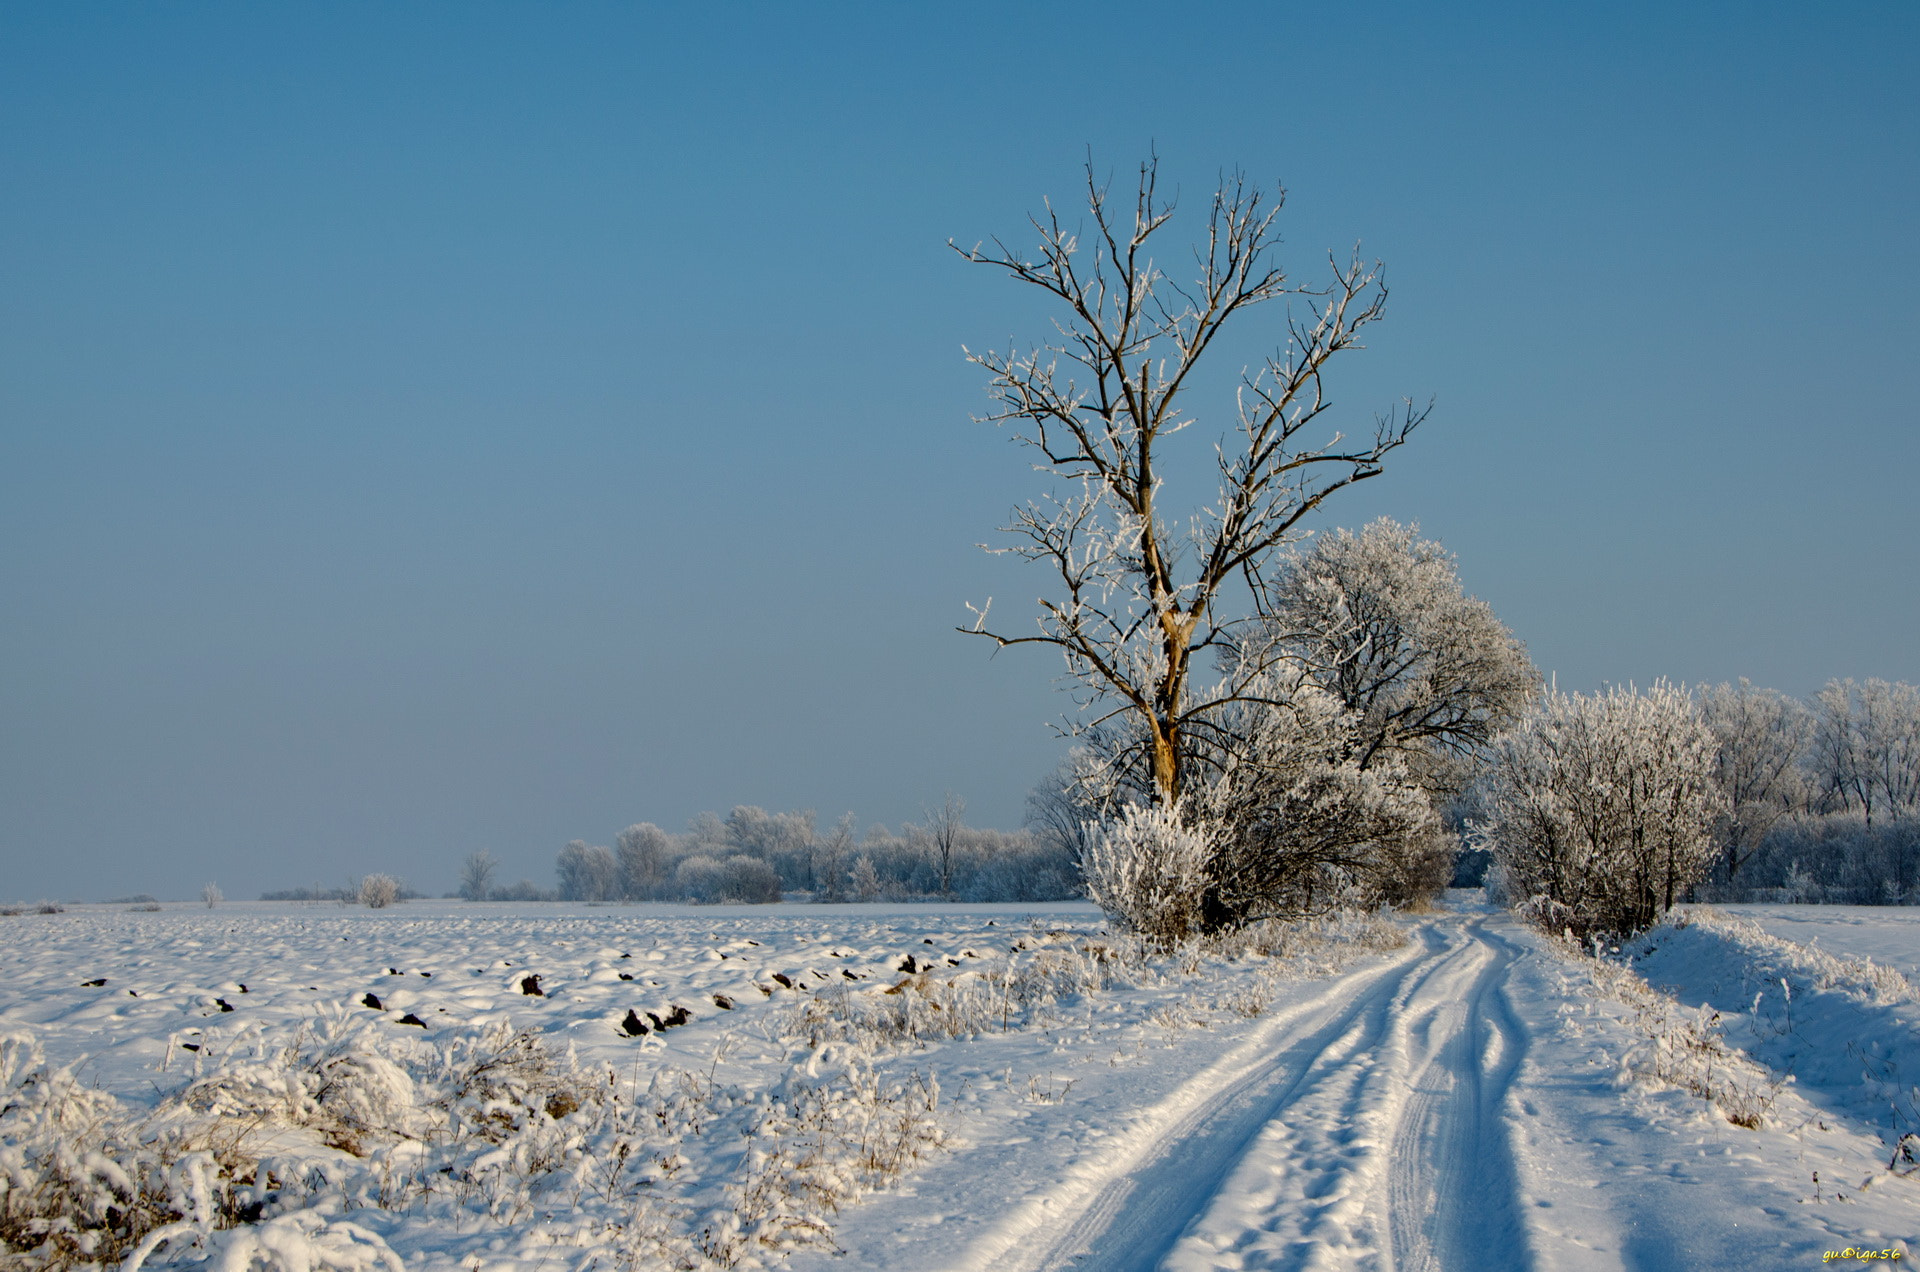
212,895
1601,808
944,825
831,858
476,875
378,891
864,880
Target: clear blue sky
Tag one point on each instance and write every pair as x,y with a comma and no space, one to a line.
439,427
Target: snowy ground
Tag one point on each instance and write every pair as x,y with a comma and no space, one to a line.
1889,935
1464,1098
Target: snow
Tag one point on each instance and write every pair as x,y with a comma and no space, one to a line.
1469,1097
1889,935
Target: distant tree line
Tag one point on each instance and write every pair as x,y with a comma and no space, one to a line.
1825,793
753,856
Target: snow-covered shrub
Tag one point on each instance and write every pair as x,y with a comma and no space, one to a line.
1148,869
1600,809
212,895
748,881
738,879
824,1141
378,891
1298,823
84,1180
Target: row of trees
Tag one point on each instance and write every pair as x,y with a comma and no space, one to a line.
1825,793
754,856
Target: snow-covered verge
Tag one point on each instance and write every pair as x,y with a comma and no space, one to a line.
1844,1030
670,1089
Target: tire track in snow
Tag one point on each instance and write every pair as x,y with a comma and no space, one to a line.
1453,1195
1130,1220
1387,1108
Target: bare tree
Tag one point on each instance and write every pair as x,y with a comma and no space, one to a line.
476,875
1141,594
943,828
831,858
1060,812
588,873
1866,747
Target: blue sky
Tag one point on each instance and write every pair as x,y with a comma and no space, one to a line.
451,427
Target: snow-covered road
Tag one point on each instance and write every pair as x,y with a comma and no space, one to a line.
1347,1141
1465,1102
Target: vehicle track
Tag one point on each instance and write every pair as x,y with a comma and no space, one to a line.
1375,1138
1452,1184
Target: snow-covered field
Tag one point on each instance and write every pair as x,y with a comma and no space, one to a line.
953,1087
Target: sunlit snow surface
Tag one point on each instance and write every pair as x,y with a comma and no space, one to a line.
1886,934
1462,1101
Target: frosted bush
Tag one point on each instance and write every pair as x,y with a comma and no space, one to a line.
378,891
1601,809
1148,870
83,1180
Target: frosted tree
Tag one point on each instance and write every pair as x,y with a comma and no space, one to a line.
1379,619
212,895
785,840
1601,808
644,857
1142,592
1760,736
588,873
1866,748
